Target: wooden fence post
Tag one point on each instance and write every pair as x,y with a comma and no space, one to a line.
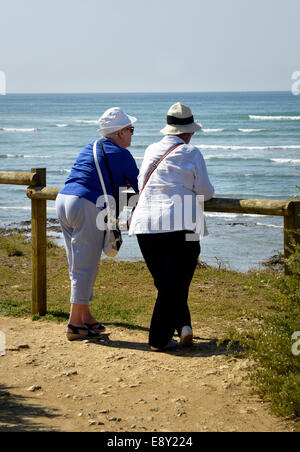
39,248
291,229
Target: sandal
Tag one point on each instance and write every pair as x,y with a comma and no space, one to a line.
75,335
100,328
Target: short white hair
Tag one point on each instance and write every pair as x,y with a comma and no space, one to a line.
111,135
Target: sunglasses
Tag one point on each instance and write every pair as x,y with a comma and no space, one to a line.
131,129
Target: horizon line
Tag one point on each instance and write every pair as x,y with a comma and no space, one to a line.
152,92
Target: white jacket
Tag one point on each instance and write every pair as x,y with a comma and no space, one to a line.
175,193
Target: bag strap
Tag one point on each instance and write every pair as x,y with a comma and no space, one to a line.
107,166
113,187
155,165
101,177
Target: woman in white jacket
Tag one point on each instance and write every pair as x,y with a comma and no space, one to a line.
168,220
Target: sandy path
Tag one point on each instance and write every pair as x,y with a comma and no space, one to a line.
118,385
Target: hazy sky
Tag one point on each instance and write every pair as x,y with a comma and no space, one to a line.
149,45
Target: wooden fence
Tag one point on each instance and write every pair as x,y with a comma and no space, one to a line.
39,194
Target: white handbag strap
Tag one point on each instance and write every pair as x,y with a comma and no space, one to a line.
101,179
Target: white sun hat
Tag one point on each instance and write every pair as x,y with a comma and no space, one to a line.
180,119
114,119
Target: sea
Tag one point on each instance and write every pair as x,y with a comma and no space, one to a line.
250,142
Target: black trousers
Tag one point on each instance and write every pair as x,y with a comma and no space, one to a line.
172,262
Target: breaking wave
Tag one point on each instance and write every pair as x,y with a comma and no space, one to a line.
285,160
246,148
274,118
86,121
251,130
8,129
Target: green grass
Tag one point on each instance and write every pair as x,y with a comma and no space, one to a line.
259,309
124,291
13,247
276,376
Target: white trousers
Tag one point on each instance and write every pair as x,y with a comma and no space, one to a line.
83,242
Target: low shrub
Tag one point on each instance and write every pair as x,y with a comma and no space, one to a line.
274,344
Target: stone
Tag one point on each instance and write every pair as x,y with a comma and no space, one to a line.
114,419
34,388
70,373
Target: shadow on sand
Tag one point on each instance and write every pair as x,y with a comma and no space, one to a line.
17,414
202,347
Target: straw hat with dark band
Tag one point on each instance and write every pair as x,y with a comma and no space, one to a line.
180,120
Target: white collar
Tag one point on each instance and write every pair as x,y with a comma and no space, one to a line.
173,139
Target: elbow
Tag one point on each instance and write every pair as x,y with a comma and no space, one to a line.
209,194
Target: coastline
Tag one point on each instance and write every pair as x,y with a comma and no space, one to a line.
246,157
54,234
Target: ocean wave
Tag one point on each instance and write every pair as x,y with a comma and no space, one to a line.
232,157
269,225
15,208
229,215
285,160
20,156
86,121
258,158
8,129
59,171
10,156
245,148
212,130
37,156
251,130
220,214
27,208
274,118
62,125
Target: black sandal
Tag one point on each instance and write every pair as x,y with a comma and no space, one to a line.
100,327
75,335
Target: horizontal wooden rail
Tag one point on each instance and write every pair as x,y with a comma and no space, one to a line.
249,206
43,193
227,205
18,178
39,194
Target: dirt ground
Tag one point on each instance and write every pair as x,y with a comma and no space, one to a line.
117,385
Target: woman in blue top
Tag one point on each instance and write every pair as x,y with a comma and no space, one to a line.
77,210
